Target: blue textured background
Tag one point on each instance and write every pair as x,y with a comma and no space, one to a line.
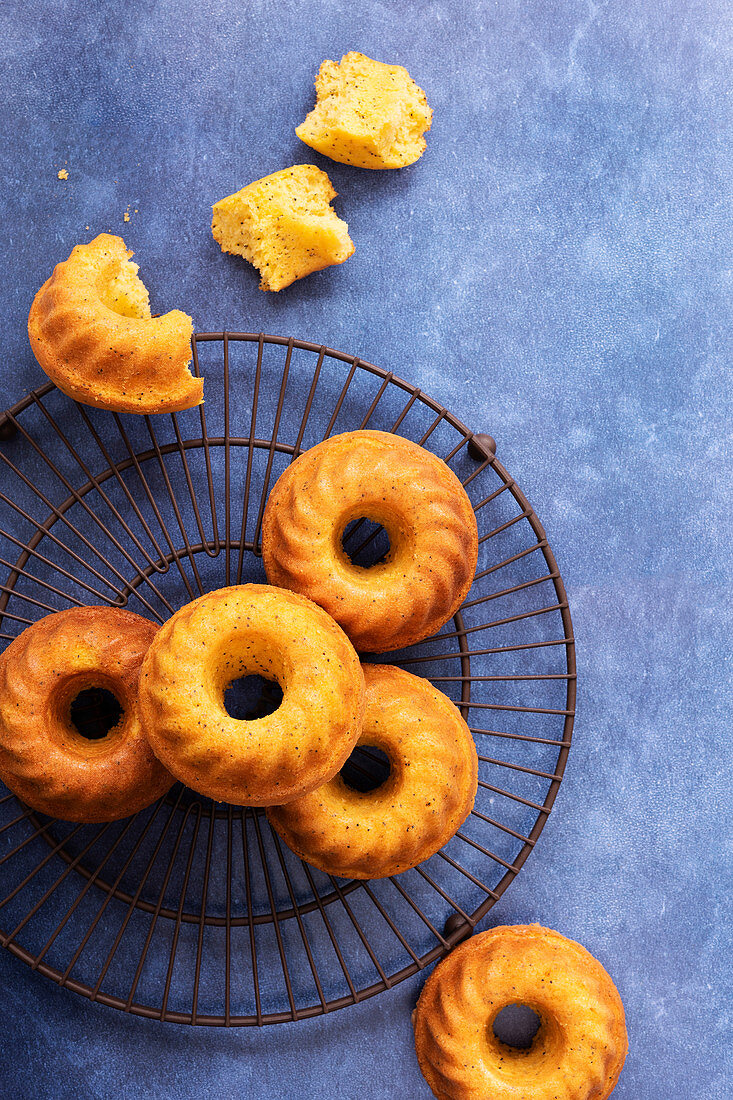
554,271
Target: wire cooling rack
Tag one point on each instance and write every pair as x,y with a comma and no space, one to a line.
195,912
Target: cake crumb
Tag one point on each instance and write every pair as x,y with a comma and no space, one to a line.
63,174
126,216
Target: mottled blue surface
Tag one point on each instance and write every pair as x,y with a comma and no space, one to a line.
555,270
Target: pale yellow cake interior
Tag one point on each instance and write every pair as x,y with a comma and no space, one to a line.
367,114
284,225
125,292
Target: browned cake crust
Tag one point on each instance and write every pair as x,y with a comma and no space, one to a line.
91,330
239,631
43,757
579,1050
427,796
425,511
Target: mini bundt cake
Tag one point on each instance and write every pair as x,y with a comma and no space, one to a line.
578,1051
252,629
428,794
367,114
91,330
284,225
428,518
44,758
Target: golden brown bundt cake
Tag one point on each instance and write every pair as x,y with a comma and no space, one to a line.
239,631
91,330
44,758
367,113
579,1049
425,511
284,225
428,794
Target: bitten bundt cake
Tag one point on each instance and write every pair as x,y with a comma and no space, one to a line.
284,225
578,1051
428,794
252,629
91,330
44,758
428,518
367,113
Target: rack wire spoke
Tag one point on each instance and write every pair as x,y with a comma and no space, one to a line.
12,591
82,894
380,908
94,481
210,548
207,456
43,531
176,509
275,920
520,737
136,461
301,926
91,428
202,915
500,825
309,402
442,893
54,885
35,871
107,900
271,449
158,907
250,455
333,938
78,496
417,910
360,932
132,906
179,914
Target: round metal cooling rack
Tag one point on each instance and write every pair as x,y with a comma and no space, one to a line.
194,912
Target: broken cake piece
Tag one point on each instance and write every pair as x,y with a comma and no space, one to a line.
92,332
284,225
367,114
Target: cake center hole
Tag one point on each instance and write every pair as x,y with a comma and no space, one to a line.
366,769
365,542
517,1025
94,712
250,697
